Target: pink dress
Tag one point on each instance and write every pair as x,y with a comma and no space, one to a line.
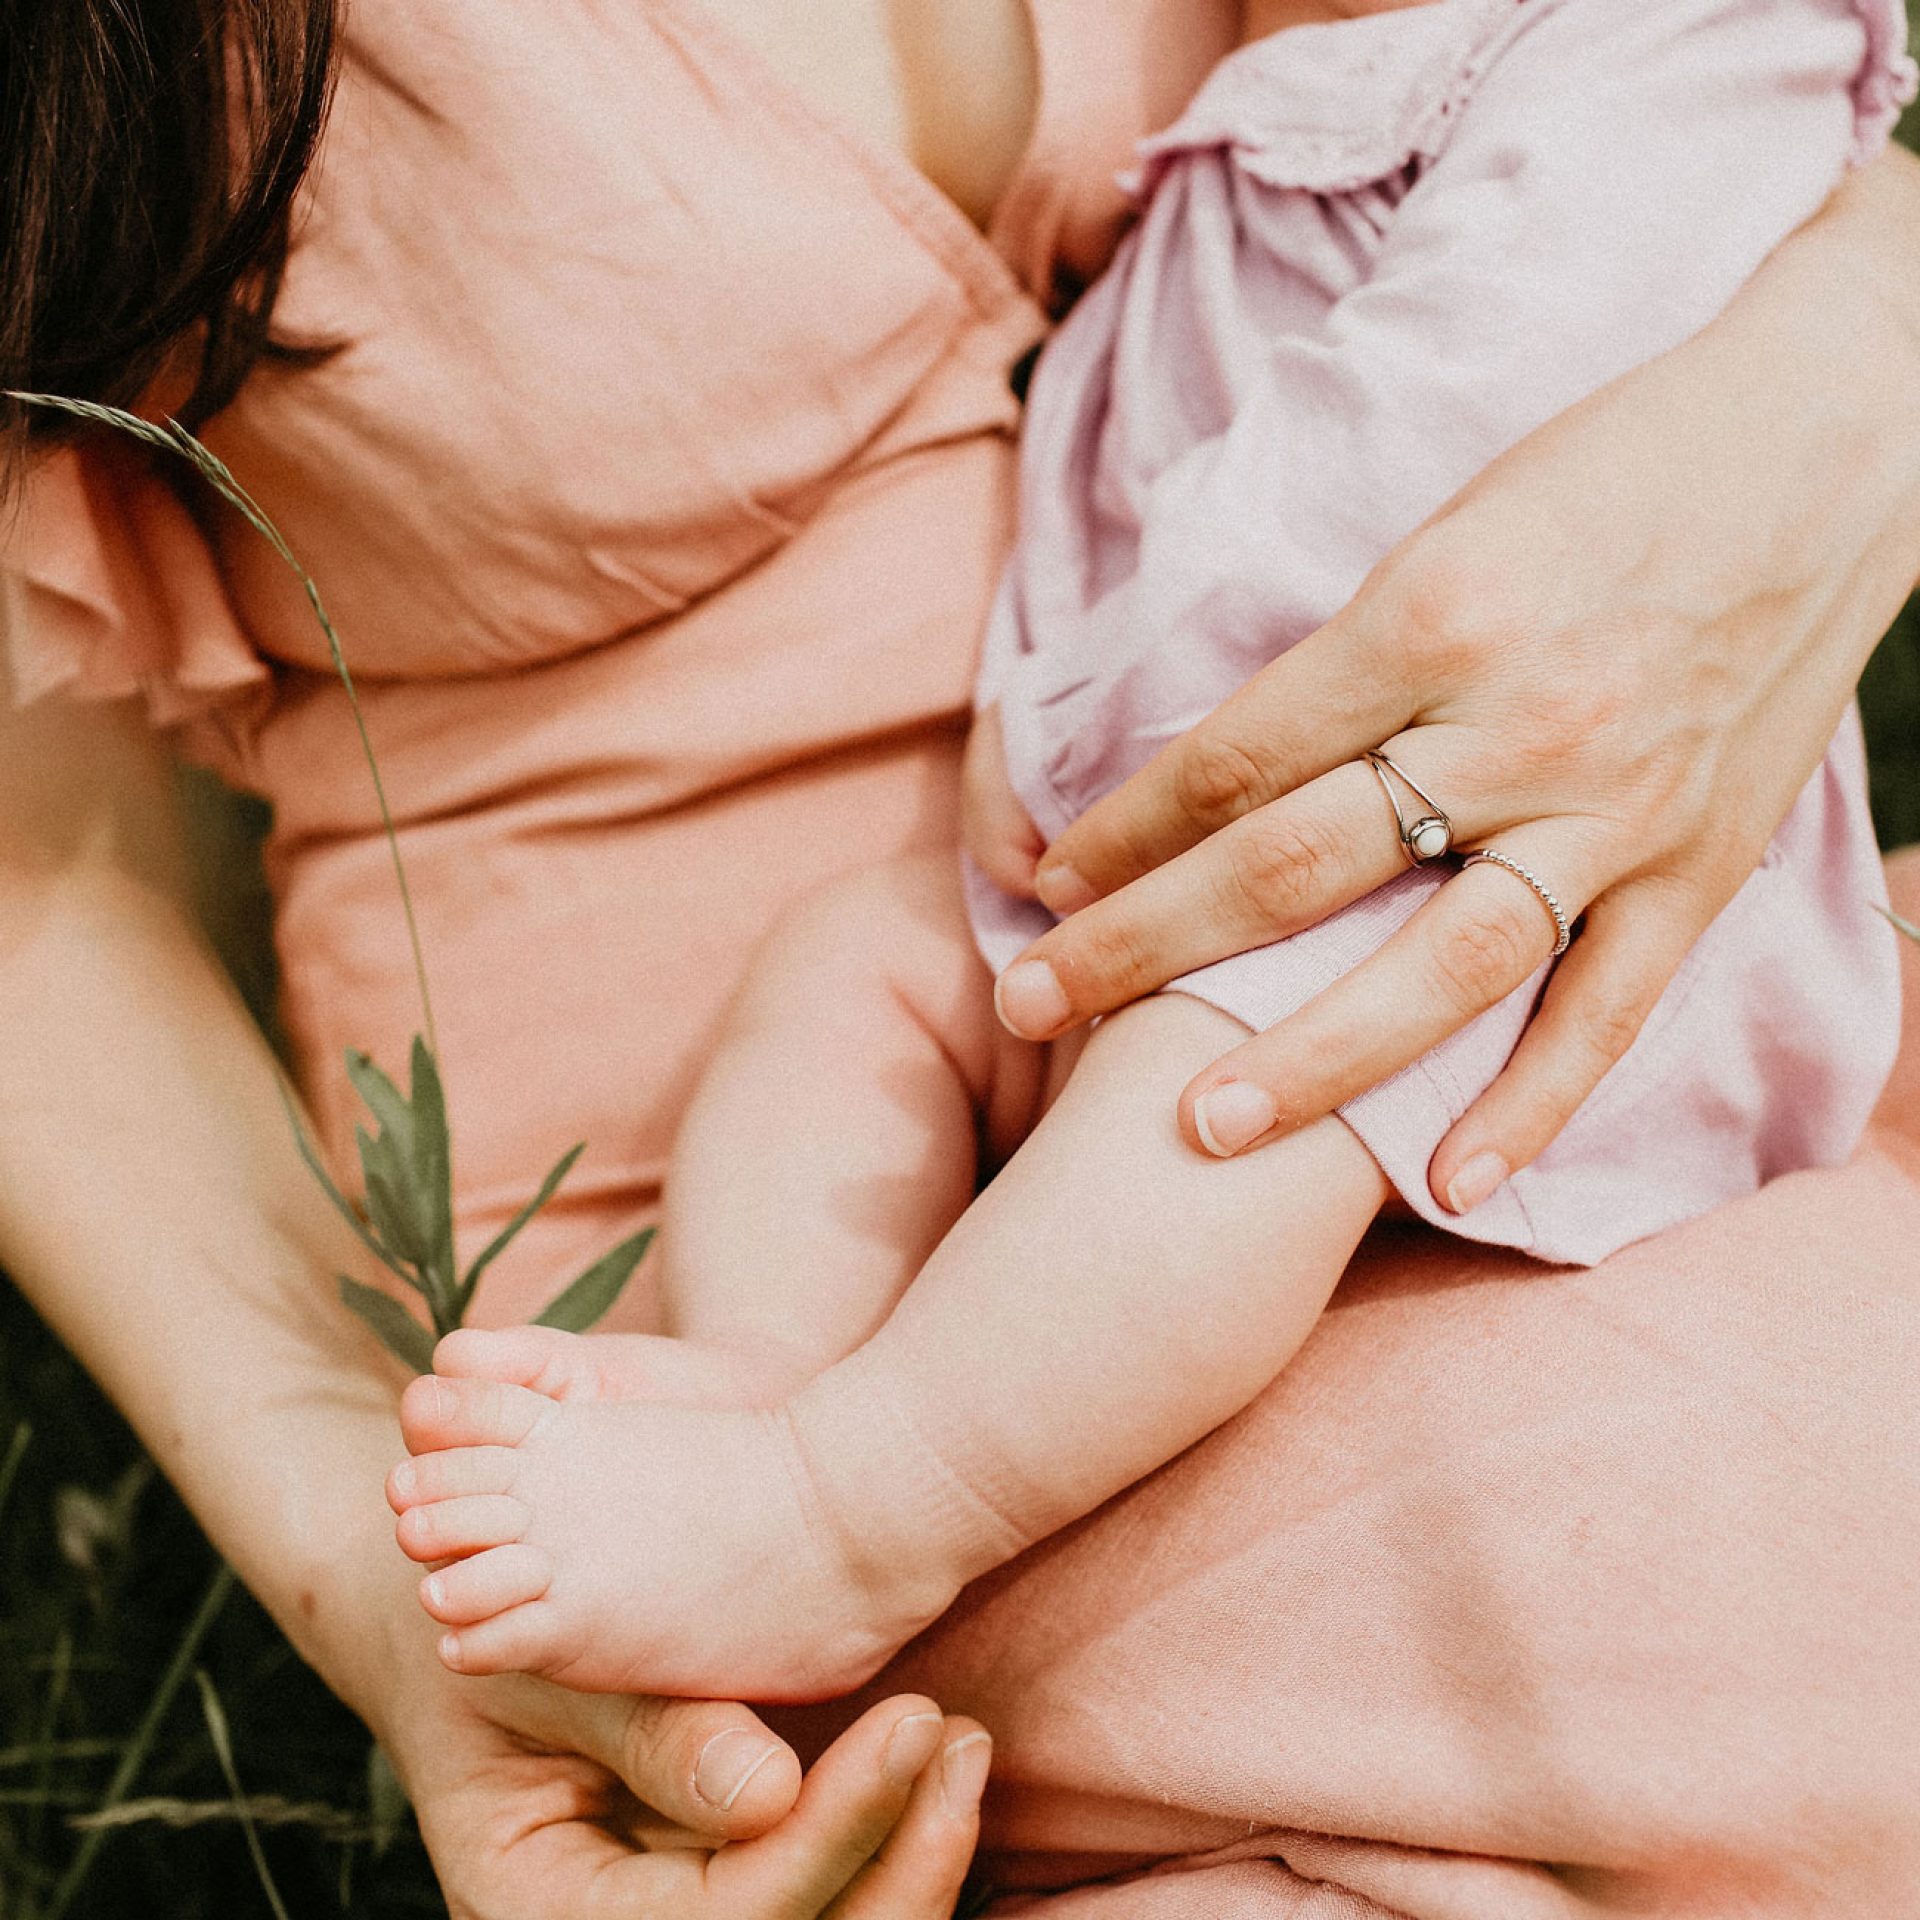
1371,255
659,488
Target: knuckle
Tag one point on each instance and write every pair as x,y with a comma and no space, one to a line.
1450,610
1483,958
1100,959
1282,869
1216,779
1608,1025
654,1743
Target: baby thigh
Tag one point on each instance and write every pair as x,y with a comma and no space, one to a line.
835,1135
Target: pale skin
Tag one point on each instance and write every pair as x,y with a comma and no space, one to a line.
191,1269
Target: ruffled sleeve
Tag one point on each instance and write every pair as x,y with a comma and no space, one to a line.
108,591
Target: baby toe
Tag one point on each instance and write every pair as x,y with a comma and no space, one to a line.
489,1583
451,1529
524,1639
436,1413
541,1358
450,1474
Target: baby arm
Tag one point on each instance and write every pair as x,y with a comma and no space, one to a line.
1104,1304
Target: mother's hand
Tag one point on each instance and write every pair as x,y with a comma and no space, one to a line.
539,1804
1617,656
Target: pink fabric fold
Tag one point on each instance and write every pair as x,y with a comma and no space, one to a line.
108,591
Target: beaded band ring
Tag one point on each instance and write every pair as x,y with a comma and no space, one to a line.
1541,889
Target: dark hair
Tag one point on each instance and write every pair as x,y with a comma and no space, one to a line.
152,151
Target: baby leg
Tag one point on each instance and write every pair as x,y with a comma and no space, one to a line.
1110,1299
833,1139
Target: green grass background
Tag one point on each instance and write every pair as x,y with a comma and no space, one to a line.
108,1593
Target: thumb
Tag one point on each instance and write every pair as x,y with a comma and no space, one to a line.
710,1766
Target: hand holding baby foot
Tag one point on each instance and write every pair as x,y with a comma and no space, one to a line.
628,1547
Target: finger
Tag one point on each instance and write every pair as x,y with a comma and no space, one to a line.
1471,944
1324,701
848,1806
1281,868
709,1766
919,1872
1593,1010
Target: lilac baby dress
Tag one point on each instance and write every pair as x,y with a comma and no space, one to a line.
1371,255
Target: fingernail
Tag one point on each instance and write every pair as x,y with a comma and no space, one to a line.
1476,1180
910,1746
1029,1001
963,1773
727,1762
1234,1115
403,1479
1063,889
433,1590
450,1650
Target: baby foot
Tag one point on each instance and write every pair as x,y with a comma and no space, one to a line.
617,1366
626,1546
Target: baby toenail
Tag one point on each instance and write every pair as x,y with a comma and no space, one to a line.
727,1762
450,1649
435,1590
405,1480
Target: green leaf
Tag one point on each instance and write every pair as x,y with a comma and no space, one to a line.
341,1205
398,1331
384,1101
500,1241
585,1303
389,1203
433,1176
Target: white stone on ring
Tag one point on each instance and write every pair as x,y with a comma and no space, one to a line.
1429,835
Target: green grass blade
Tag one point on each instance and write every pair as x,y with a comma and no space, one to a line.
133,1755
174,438
587,1301
501,1240
1902,926
393,1326
216,1718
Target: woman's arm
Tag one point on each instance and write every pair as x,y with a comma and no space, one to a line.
1652,614
153,1207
